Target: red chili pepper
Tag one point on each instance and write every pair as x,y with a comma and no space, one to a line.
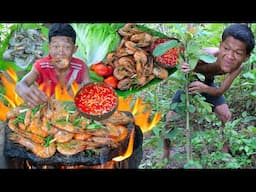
96,99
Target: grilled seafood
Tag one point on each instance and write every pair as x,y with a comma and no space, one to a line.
29,135
63,136
160,72
69,136
118,118
39,150
128,30
72,147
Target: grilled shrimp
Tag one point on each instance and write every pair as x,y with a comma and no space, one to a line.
16,129
63,136
117,132
72,147
160,72
39,150
118,118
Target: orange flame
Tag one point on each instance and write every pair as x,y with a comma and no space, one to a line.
10,94
4,111
61,93
141,113
129,149
46,89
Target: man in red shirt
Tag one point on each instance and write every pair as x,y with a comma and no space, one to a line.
59,67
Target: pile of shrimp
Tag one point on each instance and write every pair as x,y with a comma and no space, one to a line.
132,61
25,46
59,127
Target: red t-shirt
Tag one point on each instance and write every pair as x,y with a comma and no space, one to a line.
47,73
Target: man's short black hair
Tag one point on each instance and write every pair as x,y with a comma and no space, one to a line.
241,32
62,29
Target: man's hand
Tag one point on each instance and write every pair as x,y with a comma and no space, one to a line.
32,96
185,67
197,87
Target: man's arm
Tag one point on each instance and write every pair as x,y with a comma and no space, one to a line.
200,87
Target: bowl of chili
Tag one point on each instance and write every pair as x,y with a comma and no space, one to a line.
96,100
169,59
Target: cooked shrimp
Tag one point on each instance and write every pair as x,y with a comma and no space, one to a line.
82,136
67,126
121,52
63,136
72,147
111,57
160,72
27,119
117,132
128,30
15,112
127,63
125,84
39,150
142,39
120,73
103,141
16,129
140,56
118,118
132,46
36,129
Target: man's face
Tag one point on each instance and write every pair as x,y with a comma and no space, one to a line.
232,54
61,49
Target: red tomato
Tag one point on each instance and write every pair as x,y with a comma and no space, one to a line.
111,80
100,69
110,70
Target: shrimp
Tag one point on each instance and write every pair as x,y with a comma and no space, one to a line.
132,46
128,30
160,72
15,112
121,52
118,118
39,150
63,136
125,84
111,57
127,63
102,141
142,39
67,126
72,147
120,73
140,56
117,132
82,136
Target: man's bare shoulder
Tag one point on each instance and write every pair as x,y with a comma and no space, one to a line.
211,50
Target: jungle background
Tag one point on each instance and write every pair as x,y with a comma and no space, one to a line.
199,145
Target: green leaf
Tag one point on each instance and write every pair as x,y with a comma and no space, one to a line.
163,47
151,31
207,58
95,77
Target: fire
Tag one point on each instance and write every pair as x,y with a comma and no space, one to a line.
129,149
141,113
